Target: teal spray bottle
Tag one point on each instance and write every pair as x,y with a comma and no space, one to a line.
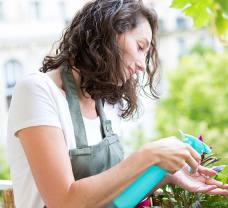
137,190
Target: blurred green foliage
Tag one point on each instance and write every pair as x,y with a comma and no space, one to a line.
223,175
4,168
211,13
197,100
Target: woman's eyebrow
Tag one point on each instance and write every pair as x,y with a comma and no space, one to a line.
146,41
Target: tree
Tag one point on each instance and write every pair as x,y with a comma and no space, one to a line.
211,13
197,100
197,103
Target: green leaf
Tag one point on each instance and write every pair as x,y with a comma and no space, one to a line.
223,175
206,12
221,24
178,4
219,177
225,170
199,13
223,4
225,179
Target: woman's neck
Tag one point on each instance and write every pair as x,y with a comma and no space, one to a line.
84,97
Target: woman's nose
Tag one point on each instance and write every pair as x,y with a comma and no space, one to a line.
140,65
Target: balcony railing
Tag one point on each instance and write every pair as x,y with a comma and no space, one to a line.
7,193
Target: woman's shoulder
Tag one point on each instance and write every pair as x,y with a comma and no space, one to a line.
31,80
35,91
35,82
34,102
35,78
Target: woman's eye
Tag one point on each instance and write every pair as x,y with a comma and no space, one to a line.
140,47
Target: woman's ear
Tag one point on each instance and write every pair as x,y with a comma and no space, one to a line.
120,40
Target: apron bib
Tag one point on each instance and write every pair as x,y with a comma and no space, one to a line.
90,160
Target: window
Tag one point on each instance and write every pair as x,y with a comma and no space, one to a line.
12,72
182,46
181,23
35,9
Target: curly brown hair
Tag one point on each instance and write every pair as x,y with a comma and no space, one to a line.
89,44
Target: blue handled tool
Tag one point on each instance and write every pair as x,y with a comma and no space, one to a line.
136,191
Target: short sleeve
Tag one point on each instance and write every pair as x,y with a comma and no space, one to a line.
33,104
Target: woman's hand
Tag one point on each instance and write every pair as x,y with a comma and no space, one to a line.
172,154
199,181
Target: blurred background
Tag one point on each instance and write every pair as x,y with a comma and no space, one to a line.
194,67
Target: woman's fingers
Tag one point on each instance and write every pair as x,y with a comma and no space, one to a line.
193,164
211,181
225,186
218,191
213,189
206,171
193,159
219,184
206,188
194,153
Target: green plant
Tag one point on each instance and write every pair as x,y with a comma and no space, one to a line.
223,175
176,197
211,13
197,100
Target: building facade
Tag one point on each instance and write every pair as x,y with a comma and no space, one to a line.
28,29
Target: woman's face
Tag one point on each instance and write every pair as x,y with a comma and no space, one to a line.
134,45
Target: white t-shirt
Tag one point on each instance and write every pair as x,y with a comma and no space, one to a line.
38,101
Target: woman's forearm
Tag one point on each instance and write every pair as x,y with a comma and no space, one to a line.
101,189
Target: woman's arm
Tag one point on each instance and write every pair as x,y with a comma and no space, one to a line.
48,158
47,154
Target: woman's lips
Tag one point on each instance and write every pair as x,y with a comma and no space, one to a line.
131,71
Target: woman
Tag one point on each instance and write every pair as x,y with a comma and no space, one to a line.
63,151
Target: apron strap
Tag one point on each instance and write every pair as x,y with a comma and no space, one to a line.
74,107
106,125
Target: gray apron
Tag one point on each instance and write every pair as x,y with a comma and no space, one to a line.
90,160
